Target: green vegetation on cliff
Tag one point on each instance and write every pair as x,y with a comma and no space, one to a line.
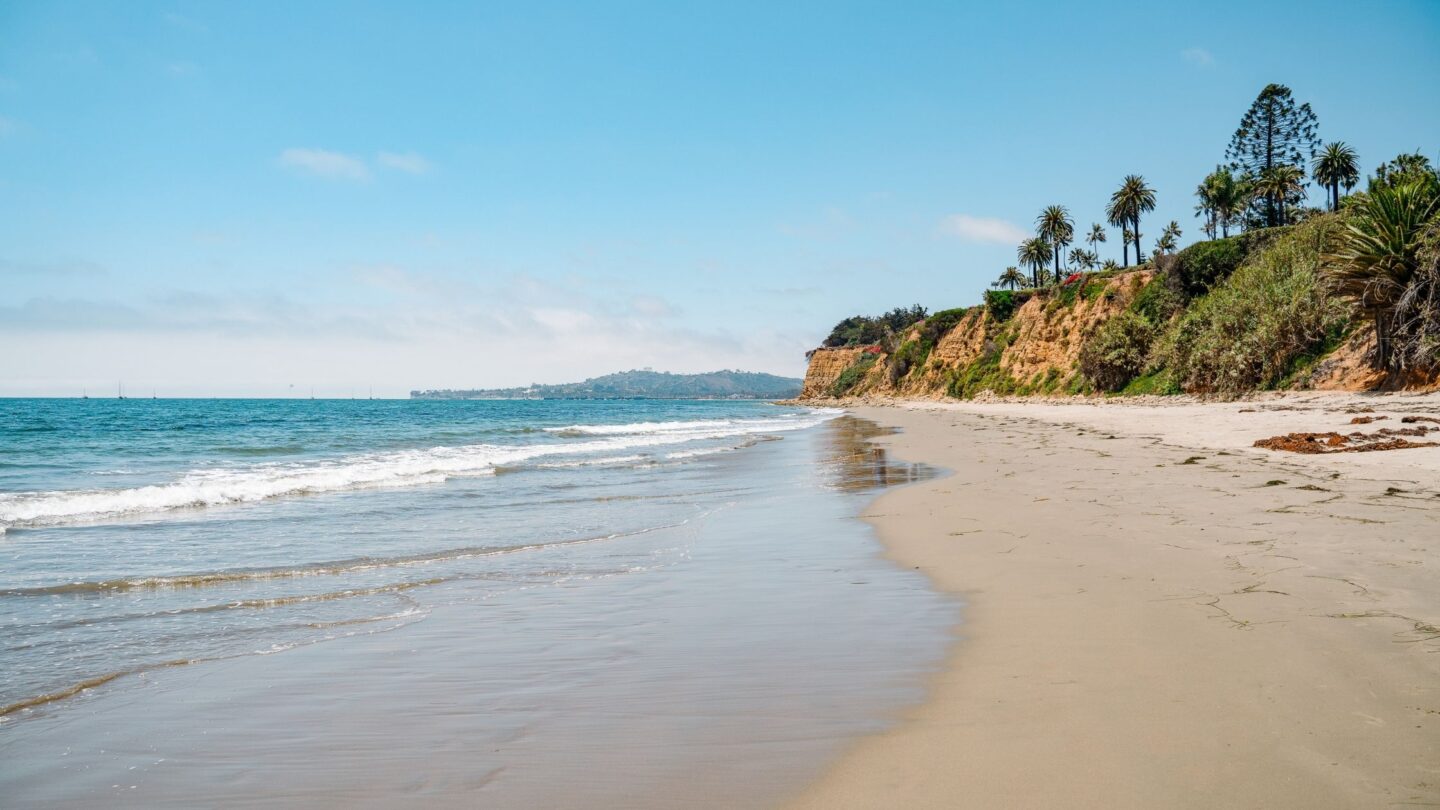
1258,309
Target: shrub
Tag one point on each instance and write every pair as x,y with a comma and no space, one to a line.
1117,352
1246,333
858,330
863,330
852,376
943,321
1156,302
1203,265
1155,382
1003,303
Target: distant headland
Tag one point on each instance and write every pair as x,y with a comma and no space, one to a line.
642,384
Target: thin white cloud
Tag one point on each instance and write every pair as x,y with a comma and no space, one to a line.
1198,57
983,229
323,163
403,161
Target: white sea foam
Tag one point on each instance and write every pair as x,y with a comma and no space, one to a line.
257,482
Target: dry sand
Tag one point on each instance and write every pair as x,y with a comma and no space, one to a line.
1159,615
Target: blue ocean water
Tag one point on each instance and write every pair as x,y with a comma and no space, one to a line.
327,600
143,532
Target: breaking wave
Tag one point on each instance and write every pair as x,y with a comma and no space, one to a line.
201,488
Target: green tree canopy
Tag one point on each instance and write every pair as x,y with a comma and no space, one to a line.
1274,132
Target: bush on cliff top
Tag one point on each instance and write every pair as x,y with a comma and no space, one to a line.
1003,303
1248,332
864,330
1204,265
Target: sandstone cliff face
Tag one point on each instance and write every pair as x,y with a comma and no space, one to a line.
957,348
1038,347
826,366
1050,334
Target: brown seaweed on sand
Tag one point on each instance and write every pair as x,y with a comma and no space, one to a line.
1357,442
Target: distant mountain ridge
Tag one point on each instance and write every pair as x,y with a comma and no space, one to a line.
642,384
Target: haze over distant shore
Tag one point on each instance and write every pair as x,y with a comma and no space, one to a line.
641,384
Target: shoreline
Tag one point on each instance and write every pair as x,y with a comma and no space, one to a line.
1156,614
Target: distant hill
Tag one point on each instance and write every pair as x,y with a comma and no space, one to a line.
644,384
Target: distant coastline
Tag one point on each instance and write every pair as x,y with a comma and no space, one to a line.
641,384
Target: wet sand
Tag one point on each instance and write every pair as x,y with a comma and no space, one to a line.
1160,615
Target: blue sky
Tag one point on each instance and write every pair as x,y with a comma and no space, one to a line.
234,199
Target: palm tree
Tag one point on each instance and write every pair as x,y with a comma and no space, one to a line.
1011,278
1165,244
1082,258
1109,265
1129,236
1228,196
1119,219
1172,231
1133,198
1035,254
1373,259
1096,237
1055,226
1335,166
1205,208
1279,184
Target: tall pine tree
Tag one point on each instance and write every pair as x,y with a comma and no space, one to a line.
1275,132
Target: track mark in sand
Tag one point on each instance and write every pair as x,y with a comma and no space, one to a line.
1360,590
1238,624
1420,632
1255,588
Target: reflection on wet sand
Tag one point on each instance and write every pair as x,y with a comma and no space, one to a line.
854,462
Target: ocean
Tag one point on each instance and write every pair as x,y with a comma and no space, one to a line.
529,603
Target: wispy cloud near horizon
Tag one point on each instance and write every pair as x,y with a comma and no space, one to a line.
326,164
990,230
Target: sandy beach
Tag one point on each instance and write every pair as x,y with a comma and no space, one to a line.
1158,614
